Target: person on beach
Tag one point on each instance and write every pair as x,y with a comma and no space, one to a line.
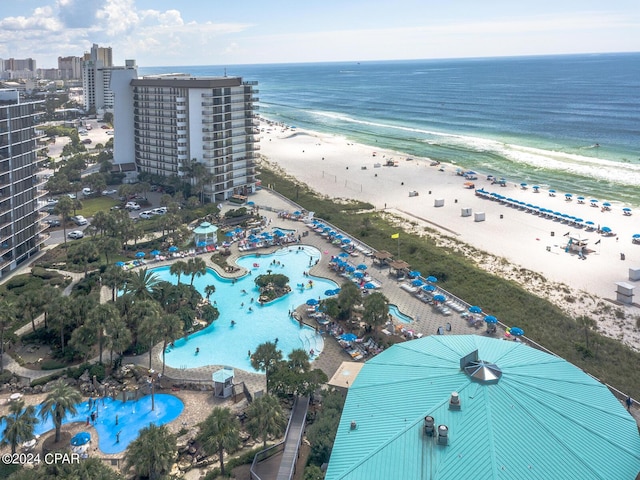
629,402
197,350
233,322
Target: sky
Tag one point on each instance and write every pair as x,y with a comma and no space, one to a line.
214,32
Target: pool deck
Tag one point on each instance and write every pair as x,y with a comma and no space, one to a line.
426,320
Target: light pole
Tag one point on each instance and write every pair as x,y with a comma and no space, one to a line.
152,379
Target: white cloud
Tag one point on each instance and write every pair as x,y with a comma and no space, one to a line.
42,18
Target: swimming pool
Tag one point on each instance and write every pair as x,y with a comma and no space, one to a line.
393,310
222,343
133,416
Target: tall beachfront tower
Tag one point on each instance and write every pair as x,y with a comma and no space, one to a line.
21,189
178,119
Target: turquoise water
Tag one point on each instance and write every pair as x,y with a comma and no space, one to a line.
393,310
570,122
224,344
133,416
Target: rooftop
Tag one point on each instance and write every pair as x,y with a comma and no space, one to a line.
542,418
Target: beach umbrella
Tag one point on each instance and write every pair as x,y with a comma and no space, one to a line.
173,249
536,187
346,240
362,266
278,233
589,222
348,337
336,291
350,268
358,275
523,184
326,229
626,209
140,254
329,293
120,264
439,298
635,235
417,282
251,203
606,204
578,220
516,331
343,254
415,273
593,200
155,252
312,301
429,288
551,190
81,438
606,229
568,194
229,234
237,230
490,319
338,235
297,212
581,198
199,244
370,286
432,279
475,309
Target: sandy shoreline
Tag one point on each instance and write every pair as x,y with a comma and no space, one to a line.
336,167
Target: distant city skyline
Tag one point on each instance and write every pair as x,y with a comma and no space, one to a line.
198,32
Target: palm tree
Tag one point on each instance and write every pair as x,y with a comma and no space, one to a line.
115,278
28,304
62,399
82,254
178,268
265,418
64,208
118,336
376,309
7,315
209,290
587,324
141,283
19,424
148,331
152,454
169,328
99,318
266,358
196,267
220,431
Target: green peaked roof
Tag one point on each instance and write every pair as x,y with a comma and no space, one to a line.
543,418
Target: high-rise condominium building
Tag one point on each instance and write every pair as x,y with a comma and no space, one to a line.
70,67
165,122
21,188
96,78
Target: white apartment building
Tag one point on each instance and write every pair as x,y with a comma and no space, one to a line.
163,122
21,188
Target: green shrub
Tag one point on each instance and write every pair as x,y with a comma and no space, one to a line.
51,364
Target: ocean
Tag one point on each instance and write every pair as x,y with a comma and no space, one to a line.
568,122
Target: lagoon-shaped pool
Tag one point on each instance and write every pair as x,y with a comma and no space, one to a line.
222,343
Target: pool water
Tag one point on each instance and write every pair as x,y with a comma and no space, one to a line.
133,416
393,310
222,343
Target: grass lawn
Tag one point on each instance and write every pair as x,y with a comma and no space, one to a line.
92,205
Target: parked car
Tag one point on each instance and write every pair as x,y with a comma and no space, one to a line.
86,141
53,223
79,220
75,235
132,206
159,211
146,215
109,191
72,196
87,191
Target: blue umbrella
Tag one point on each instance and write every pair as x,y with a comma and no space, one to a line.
429,288
606,204
329,293
552,190
358,274
155,252
626,209
343,254
636,235
312,301
415,273
439,298
593,200
606,229
516,331
490,319
199,244
475,309
348,337
589,222
417,282
140,254
581,198
350,268
81,438
228,234
362,266
120,264
297,212
568,194
251,203
370,286
346,240
432,279
237,230
173,249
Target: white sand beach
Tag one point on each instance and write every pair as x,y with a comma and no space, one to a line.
333,166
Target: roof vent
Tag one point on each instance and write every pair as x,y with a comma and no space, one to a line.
429,426
354,425
454,401
443,435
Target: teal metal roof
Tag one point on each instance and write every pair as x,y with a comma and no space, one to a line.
543,419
